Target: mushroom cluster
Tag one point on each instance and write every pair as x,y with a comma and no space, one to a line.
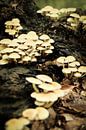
71,66
54,13
13,27
75,19
38,113
16,124
28,115
46,91
25,48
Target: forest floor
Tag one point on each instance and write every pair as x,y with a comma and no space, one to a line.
68,112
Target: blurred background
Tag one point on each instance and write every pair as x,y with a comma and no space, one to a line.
62,3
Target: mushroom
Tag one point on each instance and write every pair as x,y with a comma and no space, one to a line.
16,124
66,71
42,113
48,51
34,81
69,59
75,15
74,64
44,78
38,103
5,42
15,56
77,74
44,37
60,60
45,97
49,86
4,61
29,113
82,69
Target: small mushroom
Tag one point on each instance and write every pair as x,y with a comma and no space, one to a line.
4,61
69,59
77,74
50,86
45,97
42,113
16,124
44,37
15,56
82,69
75,15
44,78
29,113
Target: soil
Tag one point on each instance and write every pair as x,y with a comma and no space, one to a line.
67,113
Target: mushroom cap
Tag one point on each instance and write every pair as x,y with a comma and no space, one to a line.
11,123
13,44
7,50
15,22
32,35
63,10
14,56
44,37
33,80
12,32
74,24
26,58
45,97
83,17
21,122
51,40
48,51
66,70
45,44
74,64
73,69
16,124
75,15
8,23
70,20
61,59
59,93
40,48
54,16
5,41
34,59
29,113
44,78
51,47
82,69
69,59
22,36
49,87
39,103
47,8
54,11
39,42
42,113
71,9
2,47
77,74
5,56
22,47
3,61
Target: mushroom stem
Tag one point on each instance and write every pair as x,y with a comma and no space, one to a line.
48,104
35,88
63,65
